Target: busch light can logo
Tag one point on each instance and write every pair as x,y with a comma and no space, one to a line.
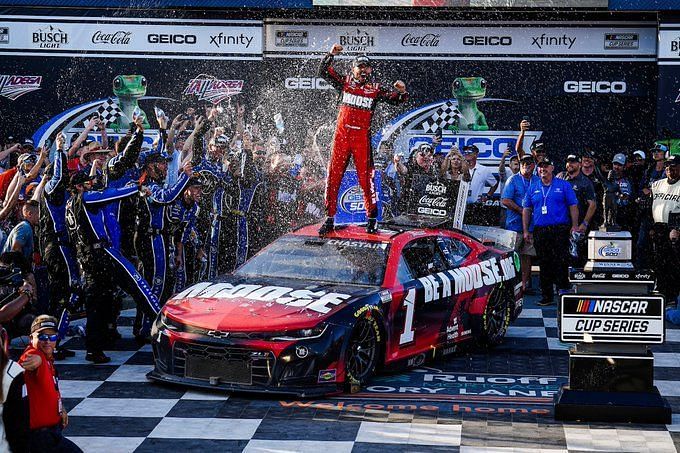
352,200
609,251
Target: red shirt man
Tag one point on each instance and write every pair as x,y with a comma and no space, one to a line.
47,416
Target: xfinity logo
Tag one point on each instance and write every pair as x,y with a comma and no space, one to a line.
487,40
230,40
171,39
587,86
426,40
50,38
357,41
306,83
553,41
116,38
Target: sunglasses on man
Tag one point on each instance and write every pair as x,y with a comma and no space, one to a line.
46,337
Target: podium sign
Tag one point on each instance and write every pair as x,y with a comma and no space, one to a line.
611,318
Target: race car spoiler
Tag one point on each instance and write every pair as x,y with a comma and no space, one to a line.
498,237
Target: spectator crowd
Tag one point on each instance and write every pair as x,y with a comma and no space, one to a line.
88,220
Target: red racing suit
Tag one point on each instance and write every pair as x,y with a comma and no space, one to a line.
357,103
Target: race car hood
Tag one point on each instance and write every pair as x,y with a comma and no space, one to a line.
241,304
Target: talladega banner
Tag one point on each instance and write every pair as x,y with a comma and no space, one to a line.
581,85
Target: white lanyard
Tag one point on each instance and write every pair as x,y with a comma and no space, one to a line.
544,209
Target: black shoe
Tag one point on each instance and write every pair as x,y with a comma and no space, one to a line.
372,226
97,357
327,227
544,302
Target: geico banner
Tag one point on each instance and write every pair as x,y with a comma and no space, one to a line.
414,41
130,38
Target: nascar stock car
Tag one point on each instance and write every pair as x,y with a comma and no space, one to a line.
314,315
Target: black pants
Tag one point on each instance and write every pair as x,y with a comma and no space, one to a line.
665,262
51,440
552,249
106,270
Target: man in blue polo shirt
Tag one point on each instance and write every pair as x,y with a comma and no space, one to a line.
512,198
552,206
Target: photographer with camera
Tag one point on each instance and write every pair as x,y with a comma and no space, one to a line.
666,230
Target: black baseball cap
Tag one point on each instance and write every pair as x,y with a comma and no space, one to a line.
361,60
539,147
527,158
80,177
673,160
195,181
469,149
573,158
545,162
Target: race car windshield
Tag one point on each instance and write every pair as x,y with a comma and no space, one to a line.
321,259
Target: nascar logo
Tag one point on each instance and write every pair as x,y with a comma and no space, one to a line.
14,86
617,307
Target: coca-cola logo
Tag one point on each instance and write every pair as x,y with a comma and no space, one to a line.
437,202
117,38
426,40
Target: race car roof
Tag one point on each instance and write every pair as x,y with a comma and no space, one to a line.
356,232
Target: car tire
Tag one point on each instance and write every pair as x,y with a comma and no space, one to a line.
494,322
364,349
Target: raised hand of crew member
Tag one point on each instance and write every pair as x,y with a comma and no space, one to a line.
524,125
188,169
336,49
400,86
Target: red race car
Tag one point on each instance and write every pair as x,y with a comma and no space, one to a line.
313,316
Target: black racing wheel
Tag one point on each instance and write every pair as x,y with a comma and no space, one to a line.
496,318
363,351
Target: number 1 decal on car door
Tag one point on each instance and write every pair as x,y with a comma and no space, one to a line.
410,304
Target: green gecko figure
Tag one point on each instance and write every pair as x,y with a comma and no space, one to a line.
128,88
469,90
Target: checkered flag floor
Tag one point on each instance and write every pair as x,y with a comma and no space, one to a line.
113,408
446,115
109,111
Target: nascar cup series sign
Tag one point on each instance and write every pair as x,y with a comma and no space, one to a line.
611,319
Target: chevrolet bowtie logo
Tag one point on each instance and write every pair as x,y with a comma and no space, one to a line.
218,333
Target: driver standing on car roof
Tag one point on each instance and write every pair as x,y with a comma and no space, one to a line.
358,98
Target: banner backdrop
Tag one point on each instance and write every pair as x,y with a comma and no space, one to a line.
668,103
600,93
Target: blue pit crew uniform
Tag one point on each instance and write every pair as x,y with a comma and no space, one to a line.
153,242
182,222
104,267
218,188
56,249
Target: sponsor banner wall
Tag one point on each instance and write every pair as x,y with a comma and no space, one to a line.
166,3
130,38
602,103
436,41
668,102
